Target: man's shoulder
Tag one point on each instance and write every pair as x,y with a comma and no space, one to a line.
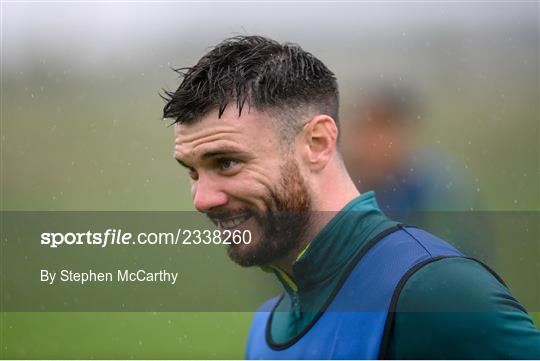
452,284
457,308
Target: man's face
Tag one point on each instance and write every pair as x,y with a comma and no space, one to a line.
243,179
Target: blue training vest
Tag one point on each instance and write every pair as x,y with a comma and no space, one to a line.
355,320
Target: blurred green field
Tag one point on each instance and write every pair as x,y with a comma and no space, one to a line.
124,335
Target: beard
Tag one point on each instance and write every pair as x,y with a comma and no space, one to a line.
284,224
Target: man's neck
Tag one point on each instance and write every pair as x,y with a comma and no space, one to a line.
316,223
328,206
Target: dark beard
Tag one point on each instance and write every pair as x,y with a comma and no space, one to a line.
285,223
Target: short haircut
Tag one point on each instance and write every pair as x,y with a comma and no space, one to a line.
281,79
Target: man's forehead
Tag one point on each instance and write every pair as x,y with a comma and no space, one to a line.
229,128
230,122
186,133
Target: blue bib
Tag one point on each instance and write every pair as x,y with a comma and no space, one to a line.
355,322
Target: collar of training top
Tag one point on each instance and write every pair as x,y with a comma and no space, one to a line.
337,243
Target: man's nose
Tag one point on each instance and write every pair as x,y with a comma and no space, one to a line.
207,194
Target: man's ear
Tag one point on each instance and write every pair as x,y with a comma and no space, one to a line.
320,137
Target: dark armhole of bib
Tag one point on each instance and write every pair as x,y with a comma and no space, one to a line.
390,319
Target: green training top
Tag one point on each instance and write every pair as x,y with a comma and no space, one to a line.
501,330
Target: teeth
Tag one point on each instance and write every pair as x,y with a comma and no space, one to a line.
232,222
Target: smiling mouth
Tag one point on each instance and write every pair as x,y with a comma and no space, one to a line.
231,222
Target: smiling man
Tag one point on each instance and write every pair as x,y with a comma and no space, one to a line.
241,179
257,129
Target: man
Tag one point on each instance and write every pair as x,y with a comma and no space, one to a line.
257,128
381,149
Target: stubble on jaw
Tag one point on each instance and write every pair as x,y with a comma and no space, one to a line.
284,224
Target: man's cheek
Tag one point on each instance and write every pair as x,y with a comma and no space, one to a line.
254,228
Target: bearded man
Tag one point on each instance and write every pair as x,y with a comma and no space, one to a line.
257,128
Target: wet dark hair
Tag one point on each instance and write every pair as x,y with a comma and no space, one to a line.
281,79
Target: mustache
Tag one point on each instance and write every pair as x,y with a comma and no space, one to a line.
220,215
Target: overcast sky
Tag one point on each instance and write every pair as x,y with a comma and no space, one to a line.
97,30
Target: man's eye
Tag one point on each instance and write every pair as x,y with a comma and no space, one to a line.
227,164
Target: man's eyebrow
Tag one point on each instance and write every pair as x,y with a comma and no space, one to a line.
183,164
222,152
